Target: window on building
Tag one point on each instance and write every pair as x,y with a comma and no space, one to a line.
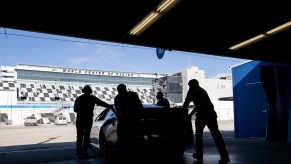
225,99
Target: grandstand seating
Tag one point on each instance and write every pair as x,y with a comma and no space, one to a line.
68,93
7,85
64,96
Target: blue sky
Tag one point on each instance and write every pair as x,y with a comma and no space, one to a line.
52,50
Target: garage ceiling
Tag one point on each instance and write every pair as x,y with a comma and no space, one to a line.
200,26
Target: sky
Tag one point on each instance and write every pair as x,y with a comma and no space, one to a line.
23,47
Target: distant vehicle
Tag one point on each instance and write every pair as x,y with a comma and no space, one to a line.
30,120
160,129
61,120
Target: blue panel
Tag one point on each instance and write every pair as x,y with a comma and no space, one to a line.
257,107
243,75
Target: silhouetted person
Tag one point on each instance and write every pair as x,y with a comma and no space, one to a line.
162,101
128,106
84,106
205,116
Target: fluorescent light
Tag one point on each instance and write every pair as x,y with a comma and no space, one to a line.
164,5
262,36
279,28
143,23
247,42
153,16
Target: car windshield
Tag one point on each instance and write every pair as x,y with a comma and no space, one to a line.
151,106
103,114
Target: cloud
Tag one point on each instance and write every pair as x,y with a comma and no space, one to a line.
97,55
103,52
78,60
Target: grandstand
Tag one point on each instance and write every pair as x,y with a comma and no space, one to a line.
48,91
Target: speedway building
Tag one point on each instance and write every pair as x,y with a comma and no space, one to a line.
49,91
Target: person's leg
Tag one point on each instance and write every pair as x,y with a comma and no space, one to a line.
199,124
79,143
189,132
122,143
218,139
87,133
130,147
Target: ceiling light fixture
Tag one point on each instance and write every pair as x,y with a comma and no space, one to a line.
144,23
279,28
247,42
153,16
261,36
164,5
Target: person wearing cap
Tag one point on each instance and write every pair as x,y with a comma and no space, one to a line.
205,116
162,101
84,107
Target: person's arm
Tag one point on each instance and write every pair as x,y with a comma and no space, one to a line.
187,101
101,103
77,105
117,107
168,103
139,103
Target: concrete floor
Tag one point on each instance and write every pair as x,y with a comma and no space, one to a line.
56,144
